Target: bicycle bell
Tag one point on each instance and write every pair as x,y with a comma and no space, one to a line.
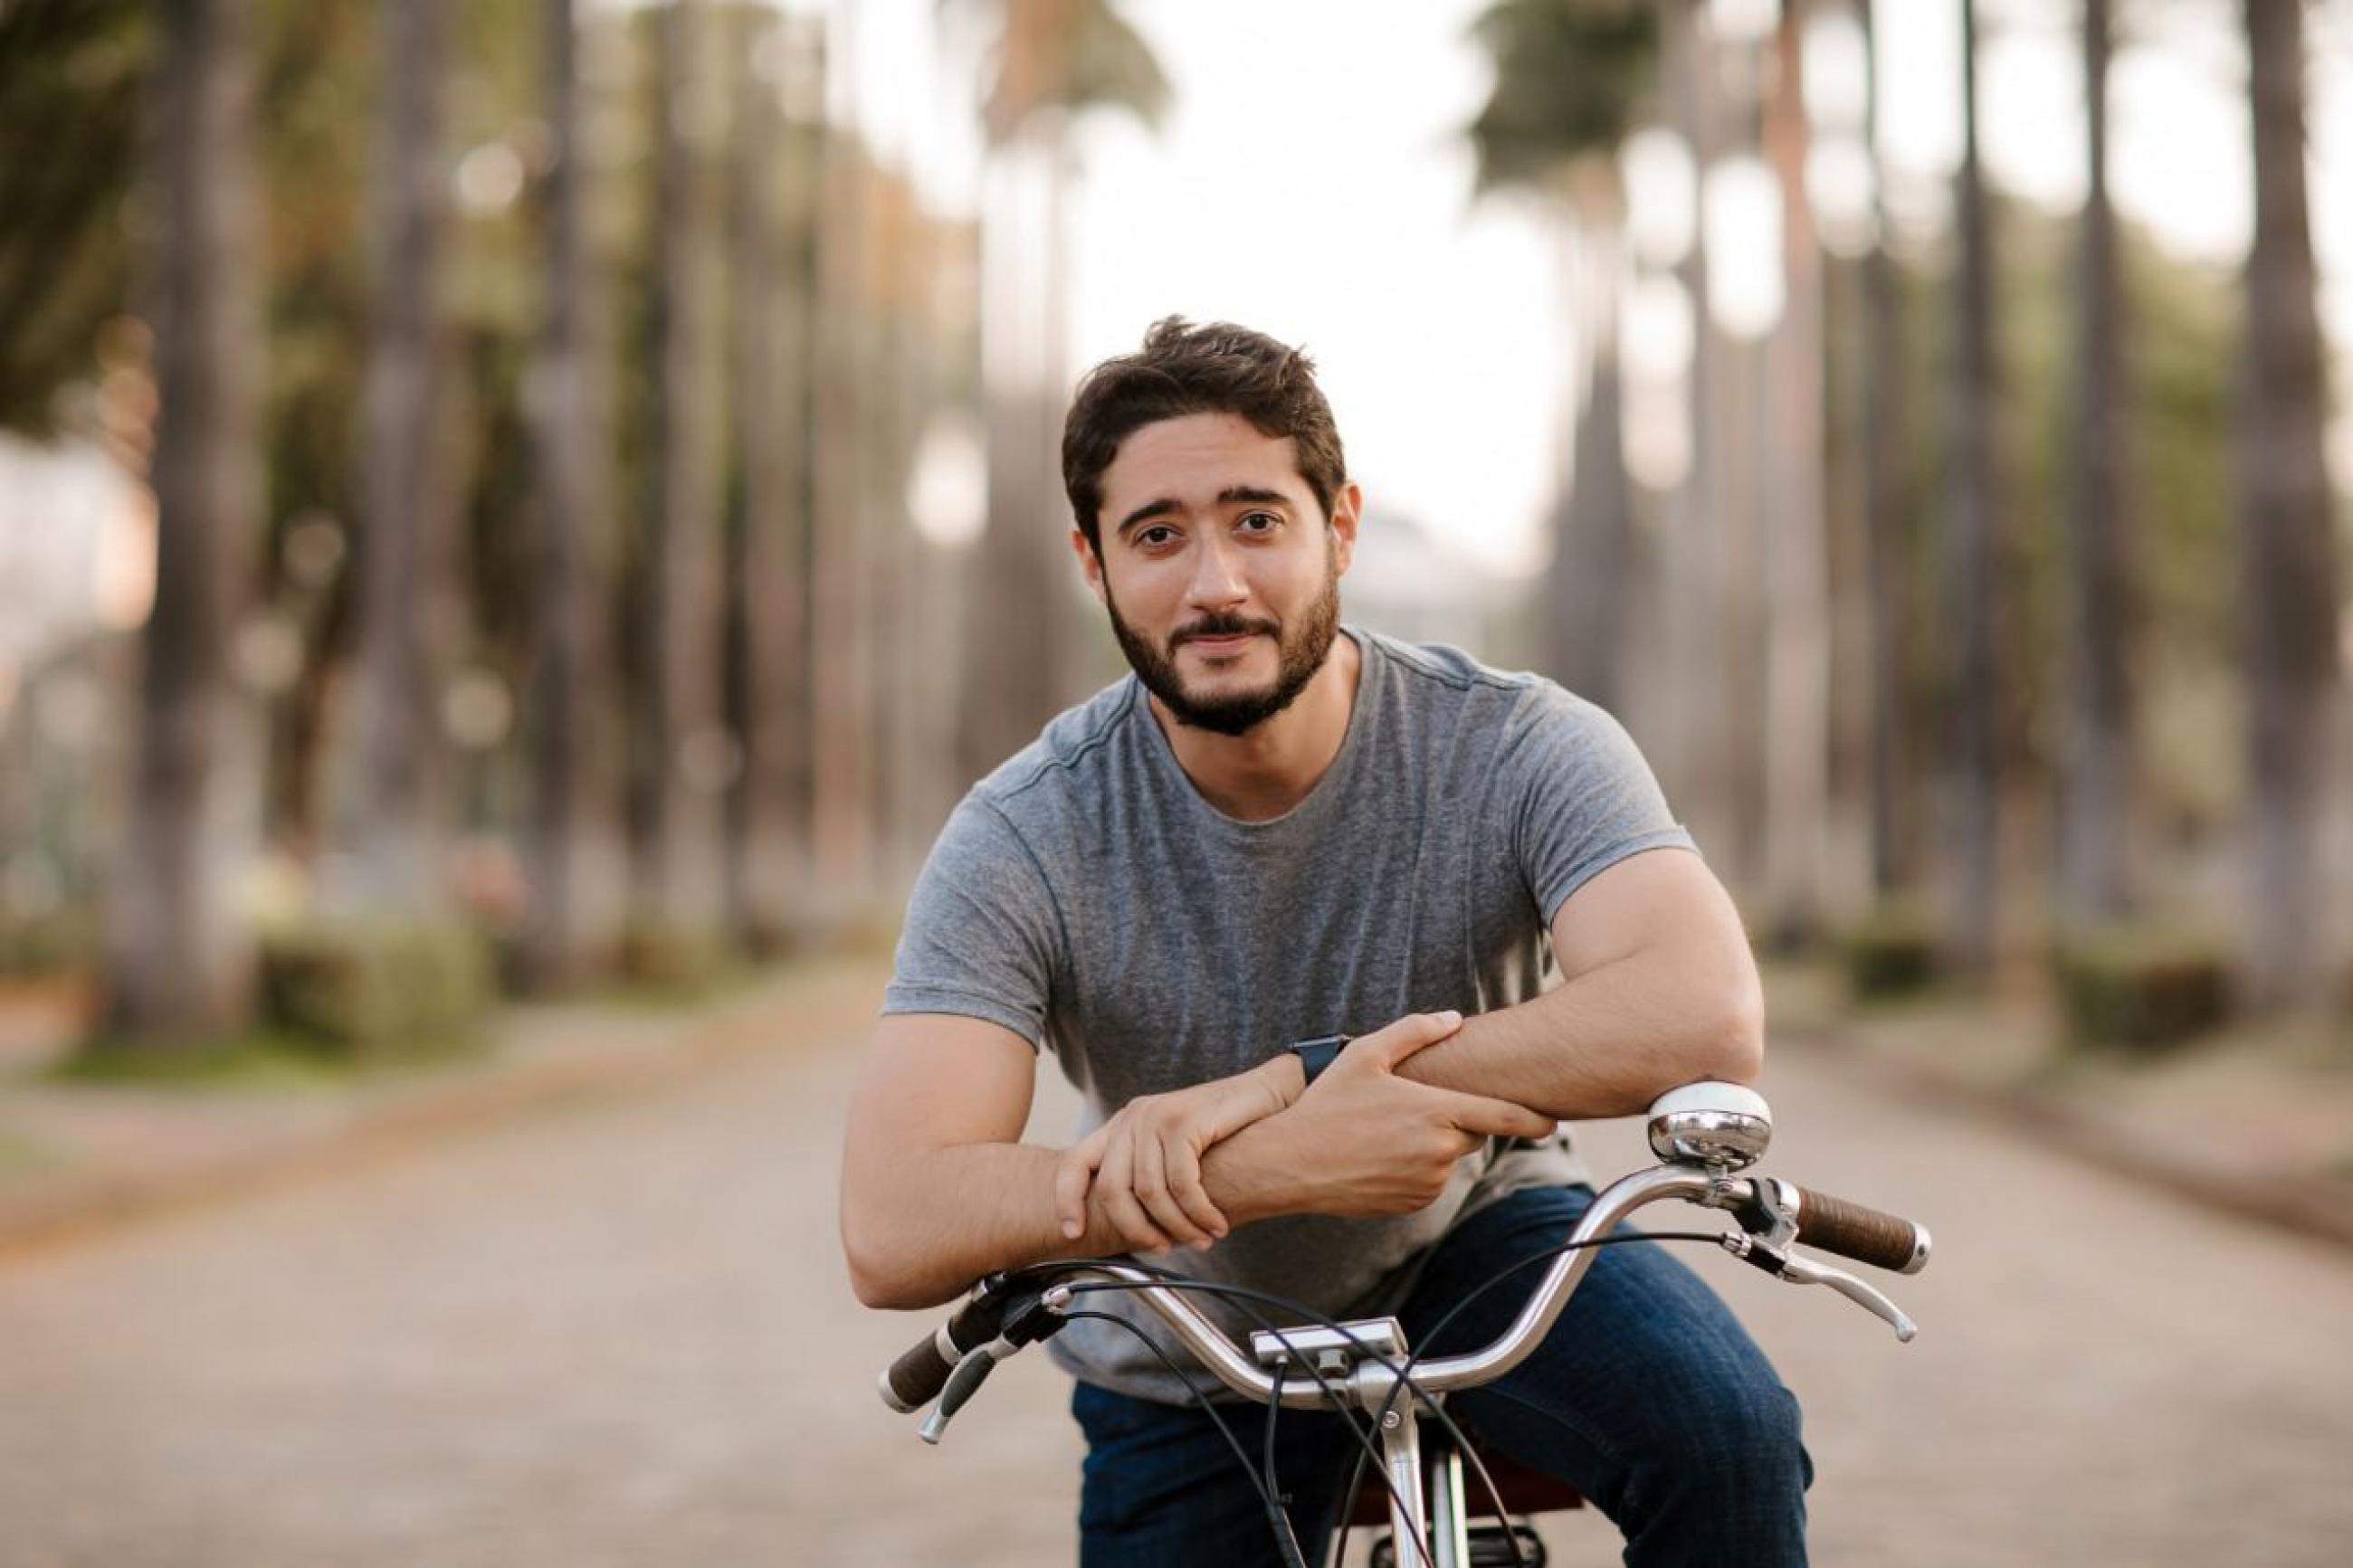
1720,1125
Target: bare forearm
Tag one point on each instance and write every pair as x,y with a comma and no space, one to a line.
951,1216
1608,1042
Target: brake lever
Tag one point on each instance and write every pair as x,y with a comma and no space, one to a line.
1806,1271
962,1385
1783,1264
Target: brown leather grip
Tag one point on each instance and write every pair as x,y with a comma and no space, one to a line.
1865,1235
919,1375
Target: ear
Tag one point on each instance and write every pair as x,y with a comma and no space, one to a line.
1090,565
1347,507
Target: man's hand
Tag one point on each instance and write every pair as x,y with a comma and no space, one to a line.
1363,1140
1144,1165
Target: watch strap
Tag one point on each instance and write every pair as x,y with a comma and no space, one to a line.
1317,1053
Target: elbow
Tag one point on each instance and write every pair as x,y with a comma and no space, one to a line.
882,1275
1734,1042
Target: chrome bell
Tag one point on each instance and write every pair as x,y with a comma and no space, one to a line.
1720,1125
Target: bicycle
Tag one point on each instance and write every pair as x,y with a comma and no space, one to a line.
1703,1135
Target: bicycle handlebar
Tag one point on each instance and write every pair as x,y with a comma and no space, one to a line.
1772,1211
1852,1230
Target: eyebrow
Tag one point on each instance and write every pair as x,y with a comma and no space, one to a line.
1227,497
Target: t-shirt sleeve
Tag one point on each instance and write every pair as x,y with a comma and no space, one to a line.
981,933
1582,797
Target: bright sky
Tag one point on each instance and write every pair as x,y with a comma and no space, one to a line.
1311,181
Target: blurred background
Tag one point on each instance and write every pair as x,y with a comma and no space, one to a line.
519,519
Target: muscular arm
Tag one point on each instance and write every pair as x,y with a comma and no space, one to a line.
938,1191
1660,990
935,1192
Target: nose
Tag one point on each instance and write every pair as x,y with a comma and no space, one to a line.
1217,582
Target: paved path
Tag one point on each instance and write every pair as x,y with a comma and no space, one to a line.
619,1334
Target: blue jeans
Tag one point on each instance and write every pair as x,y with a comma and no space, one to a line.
1646,1396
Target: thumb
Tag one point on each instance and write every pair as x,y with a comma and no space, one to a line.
1073,1174
1476,1113
1415,1031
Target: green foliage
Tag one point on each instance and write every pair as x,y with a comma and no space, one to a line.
2143,988
72,75
1890,952
675,961
1571,76
378,990
1097,60
55,943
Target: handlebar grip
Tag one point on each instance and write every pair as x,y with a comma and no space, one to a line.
917,1376
1865,1235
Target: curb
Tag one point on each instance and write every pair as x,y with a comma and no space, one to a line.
2308,1204
78,1206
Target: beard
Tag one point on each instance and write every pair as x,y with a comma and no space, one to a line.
1303,650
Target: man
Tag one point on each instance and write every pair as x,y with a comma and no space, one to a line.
1280,830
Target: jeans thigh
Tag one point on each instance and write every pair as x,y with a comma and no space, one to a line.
1162,1487
1646,1377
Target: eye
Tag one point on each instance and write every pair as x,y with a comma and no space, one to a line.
1259,523
1154,537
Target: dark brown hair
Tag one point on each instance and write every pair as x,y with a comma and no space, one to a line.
1182,369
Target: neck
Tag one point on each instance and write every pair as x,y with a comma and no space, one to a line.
1270,768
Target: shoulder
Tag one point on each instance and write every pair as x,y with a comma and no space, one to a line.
1037,785
1513,700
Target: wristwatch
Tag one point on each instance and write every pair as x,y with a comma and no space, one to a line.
1317,1053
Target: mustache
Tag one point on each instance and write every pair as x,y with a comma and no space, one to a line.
1227,626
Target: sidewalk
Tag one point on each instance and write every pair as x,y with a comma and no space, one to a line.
2258,1123
76,1157
2260,1126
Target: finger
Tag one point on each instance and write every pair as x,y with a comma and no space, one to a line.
1115,1186
1152,1191
1387,1047
1496,1117
1182,1165
1073,1174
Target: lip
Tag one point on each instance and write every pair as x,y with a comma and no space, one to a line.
1216,646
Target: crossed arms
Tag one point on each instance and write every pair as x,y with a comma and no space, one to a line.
936,1190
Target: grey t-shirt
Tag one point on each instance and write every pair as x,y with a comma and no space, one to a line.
1087,897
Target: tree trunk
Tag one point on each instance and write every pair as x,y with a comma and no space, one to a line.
392,836
1590,579
1797,638
573,833
681,883
1972,762
2098,794
842,772
1894,848
1018,629
180,953
775,173
2288,550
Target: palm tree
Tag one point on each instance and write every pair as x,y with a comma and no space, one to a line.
180,954
391,827
1570,77
1052,61
1972,759
2288,551
2098,788
1888,552
679,882
572,832
1797,628
776,167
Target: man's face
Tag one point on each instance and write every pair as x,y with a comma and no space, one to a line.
1218,571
